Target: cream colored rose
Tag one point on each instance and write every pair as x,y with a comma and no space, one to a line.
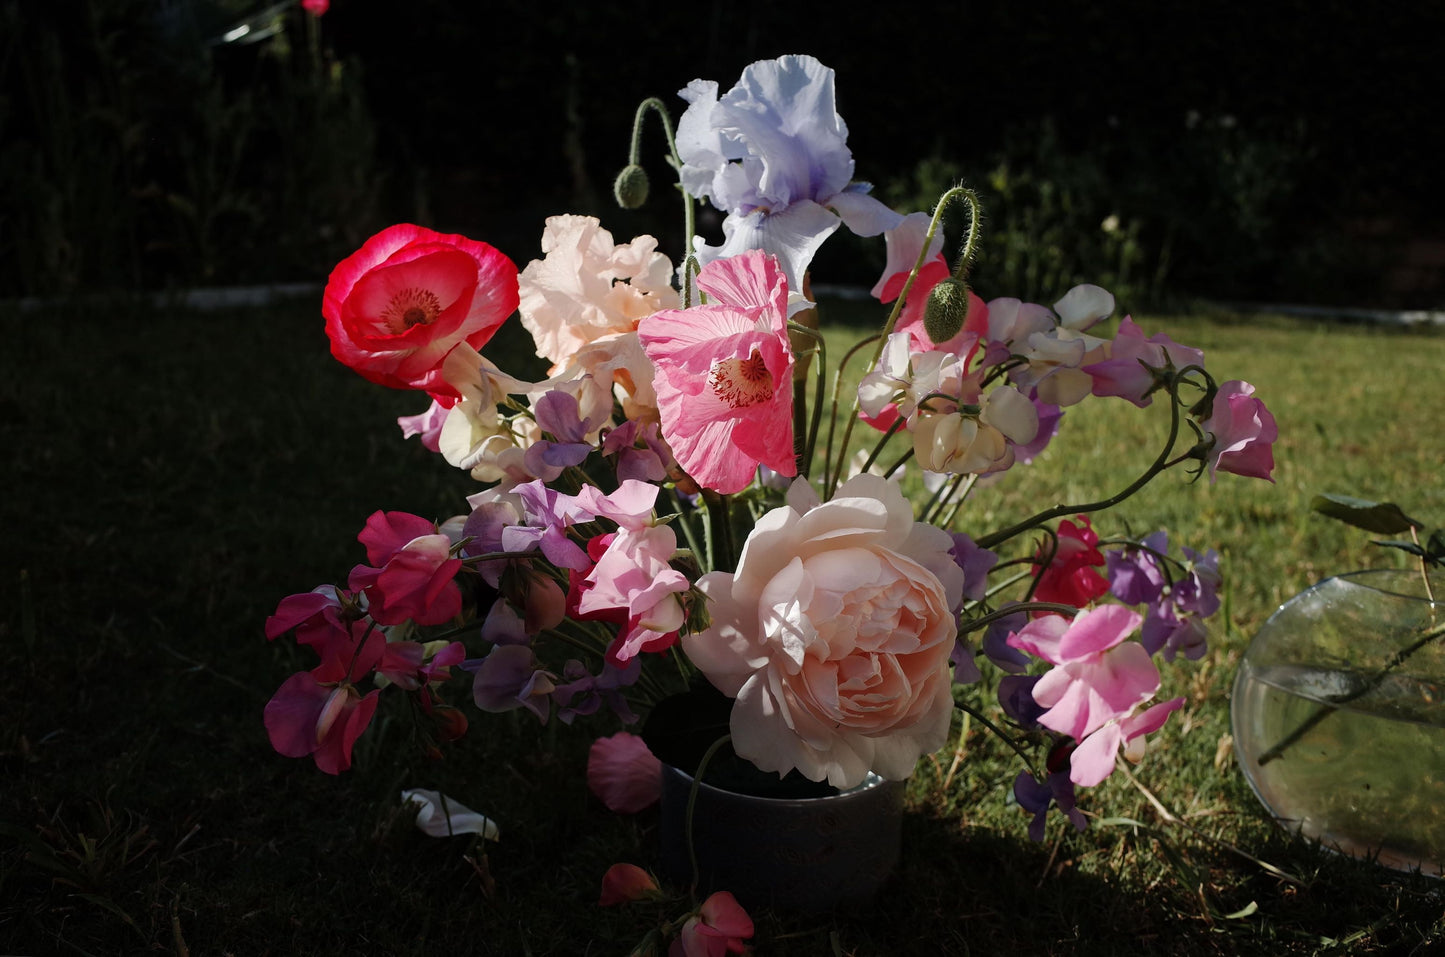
834,635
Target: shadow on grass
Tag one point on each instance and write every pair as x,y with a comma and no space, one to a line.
170,477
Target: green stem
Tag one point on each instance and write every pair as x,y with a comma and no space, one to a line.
938,210
1001,735
673,160
805,467
707,757
1160,463
833,408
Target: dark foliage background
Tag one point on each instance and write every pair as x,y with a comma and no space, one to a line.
1246,151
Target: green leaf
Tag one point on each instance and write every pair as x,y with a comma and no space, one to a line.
1382,518
1435,547
1410,547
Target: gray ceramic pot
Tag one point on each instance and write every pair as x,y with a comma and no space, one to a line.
799,854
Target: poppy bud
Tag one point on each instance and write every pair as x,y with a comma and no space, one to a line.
630,188
947,310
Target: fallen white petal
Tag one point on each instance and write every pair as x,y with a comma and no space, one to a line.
455,819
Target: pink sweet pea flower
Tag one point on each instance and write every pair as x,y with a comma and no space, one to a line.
625,883
316,7
400,304
718,929
633,584
414,577
306,717
725,374
623,774
1124,374
1097,677
1095,757
427,424
1244,433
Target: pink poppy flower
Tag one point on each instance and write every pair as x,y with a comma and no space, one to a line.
725,374
718,929
400,304
623,774
1244,433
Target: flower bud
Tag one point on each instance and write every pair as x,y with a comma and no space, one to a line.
947,310
630,188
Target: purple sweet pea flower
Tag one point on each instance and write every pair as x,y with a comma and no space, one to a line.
976,563
585,693
510,678
996,644
1126,373
1035,798
1135,577
1016,697
965,668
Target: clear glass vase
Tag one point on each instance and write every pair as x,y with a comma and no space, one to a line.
1338,716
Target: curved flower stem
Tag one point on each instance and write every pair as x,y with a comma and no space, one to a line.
1160,463
958,501
983,621
833,409
673,160
722,556
943,201
970,244
805,467
878,447
1371,683
1002,735
707,757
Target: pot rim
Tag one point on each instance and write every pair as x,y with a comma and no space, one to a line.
869,783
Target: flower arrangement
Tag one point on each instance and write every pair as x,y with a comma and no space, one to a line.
665,524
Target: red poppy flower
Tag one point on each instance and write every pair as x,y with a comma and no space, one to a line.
400,304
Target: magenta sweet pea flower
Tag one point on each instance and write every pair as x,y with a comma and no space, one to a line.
414,577
625,883
633,585
1071,576
1125,373
307,717
1244,433
725,374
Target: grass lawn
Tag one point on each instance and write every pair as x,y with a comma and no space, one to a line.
169,476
